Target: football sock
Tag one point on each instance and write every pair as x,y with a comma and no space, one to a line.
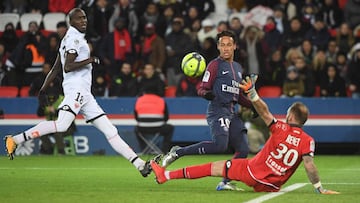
125,150
119,145
43,128
191,172
206,147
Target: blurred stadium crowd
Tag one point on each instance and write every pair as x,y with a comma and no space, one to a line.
299,48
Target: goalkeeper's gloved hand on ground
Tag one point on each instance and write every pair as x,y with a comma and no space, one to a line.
320,190
248,86
323,191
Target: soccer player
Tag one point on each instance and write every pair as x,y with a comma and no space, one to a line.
269,169
220,85
75,63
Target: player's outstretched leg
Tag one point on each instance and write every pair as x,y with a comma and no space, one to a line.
159,172
171,156
10,146
146,170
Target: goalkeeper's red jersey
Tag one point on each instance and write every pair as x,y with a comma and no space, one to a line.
281,154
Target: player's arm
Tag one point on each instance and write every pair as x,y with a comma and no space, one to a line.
263,110
205,89
313,175
248,85
244,101
71,65
55,70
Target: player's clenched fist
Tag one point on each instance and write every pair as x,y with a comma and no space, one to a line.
96,60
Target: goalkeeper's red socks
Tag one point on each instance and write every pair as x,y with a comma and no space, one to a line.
191,172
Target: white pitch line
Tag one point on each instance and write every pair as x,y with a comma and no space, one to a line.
341,183
275,194
336,169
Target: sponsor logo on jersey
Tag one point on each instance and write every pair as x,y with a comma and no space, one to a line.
275,167
232,89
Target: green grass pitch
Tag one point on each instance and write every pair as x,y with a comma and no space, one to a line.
113,179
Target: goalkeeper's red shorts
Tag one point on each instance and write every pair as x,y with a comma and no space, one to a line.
237,169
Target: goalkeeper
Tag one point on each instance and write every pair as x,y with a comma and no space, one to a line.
269,169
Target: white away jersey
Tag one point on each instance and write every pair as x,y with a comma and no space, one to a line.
80,79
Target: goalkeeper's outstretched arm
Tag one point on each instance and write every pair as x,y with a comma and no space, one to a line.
248,85
313,176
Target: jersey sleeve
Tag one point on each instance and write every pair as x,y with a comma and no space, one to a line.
72,45
208,78
244,101
276,126
308,147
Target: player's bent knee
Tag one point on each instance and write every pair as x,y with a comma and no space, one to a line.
221,146
64,120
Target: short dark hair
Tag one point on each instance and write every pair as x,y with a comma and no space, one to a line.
33,22
227,33
73,11
61,24
300,111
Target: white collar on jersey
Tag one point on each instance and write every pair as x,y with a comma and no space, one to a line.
73,30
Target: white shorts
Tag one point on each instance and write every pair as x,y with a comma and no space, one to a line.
83,103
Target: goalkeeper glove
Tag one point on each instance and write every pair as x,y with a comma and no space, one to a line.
320,190
326,192
248,86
